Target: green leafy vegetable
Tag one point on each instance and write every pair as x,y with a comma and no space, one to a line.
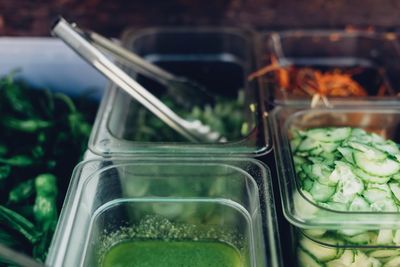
226,116
43,135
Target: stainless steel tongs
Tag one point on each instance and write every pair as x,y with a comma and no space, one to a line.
74,37
184,91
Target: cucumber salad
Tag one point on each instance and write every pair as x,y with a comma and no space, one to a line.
348,169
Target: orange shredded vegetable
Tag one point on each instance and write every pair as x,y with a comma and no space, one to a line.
309,81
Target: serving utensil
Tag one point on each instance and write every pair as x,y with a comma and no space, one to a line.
184,91
194,131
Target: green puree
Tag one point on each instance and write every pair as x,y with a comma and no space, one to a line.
158,253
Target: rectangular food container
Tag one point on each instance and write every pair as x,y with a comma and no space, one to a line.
218,58
108,197
358,223
371,60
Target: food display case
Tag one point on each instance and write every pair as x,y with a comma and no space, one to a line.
307,174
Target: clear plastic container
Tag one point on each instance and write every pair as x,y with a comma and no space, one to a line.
220,59
372,58
325,229
109,200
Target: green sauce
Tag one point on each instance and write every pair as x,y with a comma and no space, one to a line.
158,253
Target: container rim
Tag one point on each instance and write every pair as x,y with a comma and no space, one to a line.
388,35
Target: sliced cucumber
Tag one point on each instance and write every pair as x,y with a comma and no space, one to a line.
364,137
329,134
345,260
374,194
302,175
359,204
384,187
347,154
329,147
316,160
307,184
308,144
306,260
385,237
316,151
348,186
351,232
384,205
362,260
320,252
346,169
359,239
384,167
368,178
396,238
294,143
395,262
322,173
389,147
298,165
396,176
297,133
336,263
368,151
395,188
384,253
315,232
321,192
299,160
358,132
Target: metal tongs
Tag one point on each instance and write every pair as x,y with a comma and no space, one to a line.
76,38
184,91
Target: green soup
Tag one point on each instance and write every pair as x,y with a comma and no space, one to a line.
158,253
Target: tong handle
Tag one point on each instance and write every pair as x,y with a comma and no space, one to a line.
146,68
92,55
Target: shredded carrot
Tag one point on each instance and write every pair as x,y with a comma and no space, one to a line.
309,81
264,71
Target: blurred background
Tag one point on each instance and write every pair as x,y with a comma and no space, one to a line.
33,17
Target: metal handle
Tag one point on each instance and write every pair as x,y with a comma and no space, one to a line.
91,54
142,66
